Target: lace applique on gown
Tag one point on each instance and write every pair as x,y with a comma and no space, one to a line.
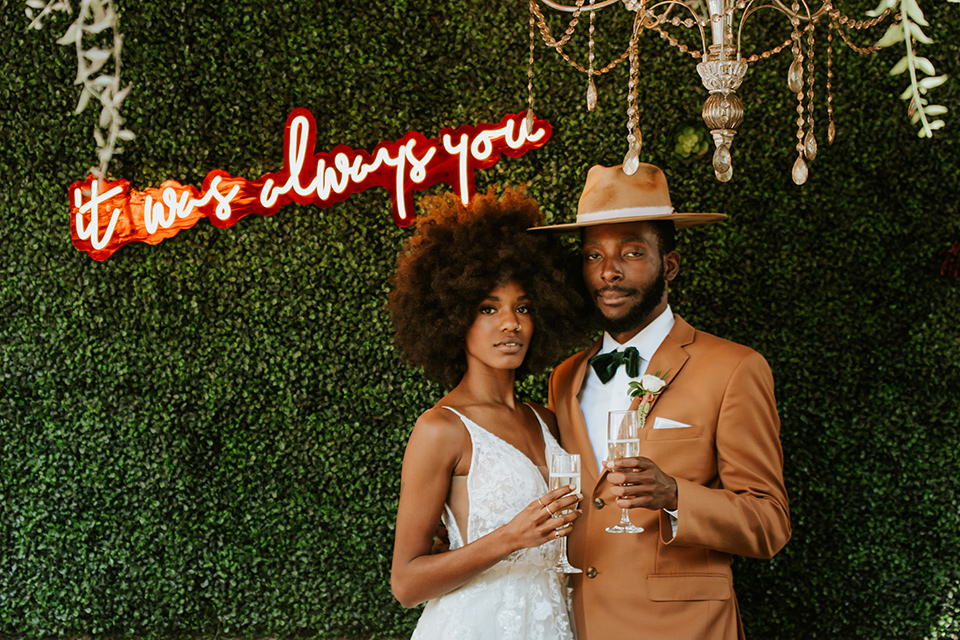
516,598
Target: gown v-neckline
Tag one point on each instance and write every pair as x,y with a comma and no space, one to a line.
543,435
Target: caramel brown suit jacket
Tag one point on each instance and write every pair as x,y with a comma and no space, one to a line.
728,465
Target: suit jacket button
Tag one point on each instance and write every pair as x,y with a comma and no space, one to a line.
599,503
591,572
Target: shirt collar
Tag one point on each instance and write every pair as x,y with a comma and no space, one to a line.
648,340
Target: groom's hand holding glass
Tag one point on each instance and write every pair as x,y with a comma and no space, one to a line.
640,483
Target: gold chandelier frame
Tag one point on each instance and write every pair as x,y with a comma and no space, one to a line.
722,65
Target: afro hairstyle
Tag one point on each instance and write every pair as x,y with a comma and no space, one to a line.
457,255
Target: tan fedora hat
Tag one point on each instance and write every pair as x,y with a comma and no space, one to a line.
611,196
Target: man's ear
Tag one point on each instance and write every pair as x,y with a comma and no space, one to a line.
671,266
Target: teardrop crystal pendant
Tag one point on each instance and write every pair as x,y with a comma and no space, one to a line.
529,120
795,76
591,95
722,160
725,176
831,133
810,146
631,161
800,171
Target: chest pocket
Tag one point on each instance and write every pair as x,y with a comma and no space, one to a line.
692,432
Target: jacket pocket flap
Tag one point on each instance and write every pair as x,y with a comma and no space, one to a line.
689,586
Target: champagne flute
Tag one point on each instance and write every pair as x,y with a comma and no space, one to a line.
564,471
623,441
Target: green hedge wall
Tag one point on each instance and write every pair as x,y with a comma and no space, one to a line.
203,438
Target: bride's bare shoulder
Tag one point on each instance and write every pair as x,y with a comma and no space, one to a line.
439,425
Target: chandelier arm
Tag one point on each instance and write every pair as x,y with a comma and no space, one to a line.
811,17
777,5
670,4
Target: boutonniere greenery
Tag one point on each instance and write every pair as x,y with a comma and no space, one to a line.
648,388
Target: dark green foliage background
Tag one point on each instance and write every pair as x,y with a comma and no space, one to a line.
204,436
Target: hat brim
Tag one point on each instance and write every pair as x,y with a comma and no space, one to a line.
680,221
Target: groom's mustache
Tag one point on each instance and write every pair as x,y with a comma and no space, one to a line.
612,287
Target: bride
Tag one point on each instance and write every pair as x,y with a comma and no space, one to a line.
477,302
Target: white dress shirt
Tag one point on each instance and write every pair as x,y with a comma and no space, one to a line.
597,398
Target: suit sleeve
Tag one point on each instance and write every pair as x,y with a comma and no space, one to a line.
748,514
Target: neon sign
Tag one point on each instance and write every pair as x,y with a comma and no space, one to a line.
104,217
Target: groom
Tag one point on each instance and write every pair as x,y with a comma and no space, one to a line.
708,483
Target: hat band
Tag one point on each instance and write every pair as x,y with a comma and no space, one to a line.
618,214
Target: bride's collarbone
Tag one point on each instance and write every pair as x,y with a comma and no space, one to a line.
520,430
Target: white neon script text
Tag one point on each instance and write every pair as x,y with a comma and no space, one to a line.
413,162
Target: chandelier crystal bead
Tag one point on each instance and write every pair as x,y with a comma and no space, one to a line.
810,146
800,171
795,76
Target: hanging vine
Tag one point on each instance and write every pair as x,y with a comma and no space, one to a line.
908,30
96,37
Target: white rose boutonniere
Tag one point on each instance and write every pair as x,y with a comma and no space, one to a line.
652,384
648,388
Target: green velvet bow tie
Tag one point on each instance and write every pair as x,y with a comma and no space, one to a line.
606,364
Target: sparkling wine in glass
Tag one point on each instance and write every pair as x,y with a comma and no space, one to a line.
564,471
623,441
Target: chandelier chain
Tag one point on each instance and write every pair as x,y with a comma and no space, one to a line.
533,40
545,30
831,127
810,140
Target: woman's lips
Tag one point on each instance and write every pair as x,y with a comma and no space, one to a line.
509,345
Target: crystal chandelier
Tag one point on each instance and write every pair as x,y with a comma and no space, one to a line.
723,63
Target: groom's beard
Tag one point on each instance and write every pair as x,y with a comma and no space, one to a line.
650,297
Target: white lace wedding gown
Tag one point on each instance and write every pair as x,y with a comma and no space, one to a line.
517,597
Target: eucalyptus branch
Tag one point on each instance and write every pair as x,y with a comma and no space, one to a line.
93,18
909,31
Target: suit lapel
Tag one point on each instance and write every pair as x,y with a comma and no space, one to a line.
670,357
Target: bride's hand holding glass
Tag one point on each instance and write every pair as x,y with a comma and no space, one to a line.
544,519
564,471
